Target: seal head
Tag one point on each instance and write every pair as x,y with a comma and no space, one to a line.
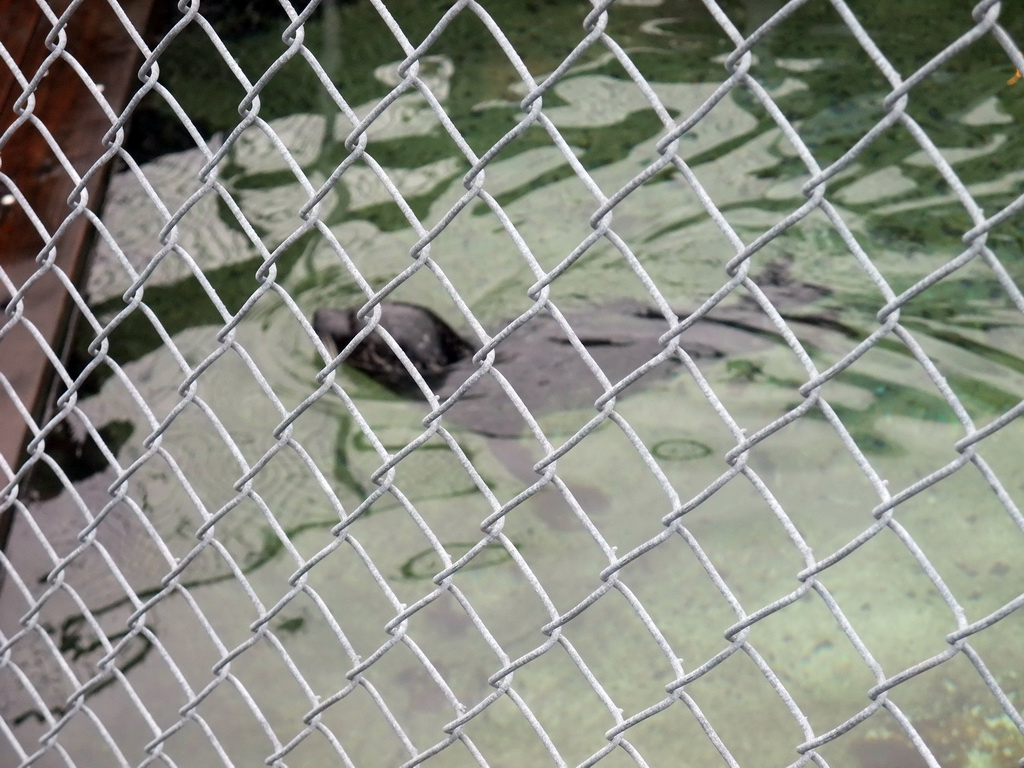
427,341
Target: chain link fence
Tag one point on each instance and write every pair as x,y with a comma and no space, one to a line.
662,467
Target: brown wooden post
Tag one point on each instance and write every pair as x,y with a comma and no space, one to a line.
70,112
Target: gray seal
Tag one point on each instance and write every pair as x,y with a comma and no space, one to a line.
539,360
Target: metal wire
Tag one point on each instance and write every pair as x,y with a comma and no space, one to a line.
177,708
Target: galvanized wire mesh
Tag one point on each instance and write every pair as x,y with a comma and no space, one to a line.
94,673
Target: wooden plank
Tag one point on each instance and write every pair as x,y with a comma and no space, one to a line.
63,103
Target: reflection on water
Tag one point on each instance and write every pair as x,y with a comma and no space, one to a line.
238,543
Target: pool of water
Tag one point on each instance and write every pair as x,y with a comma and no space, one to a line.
243,581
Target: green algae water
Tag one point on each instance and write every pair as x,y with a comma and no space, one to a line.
303,630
